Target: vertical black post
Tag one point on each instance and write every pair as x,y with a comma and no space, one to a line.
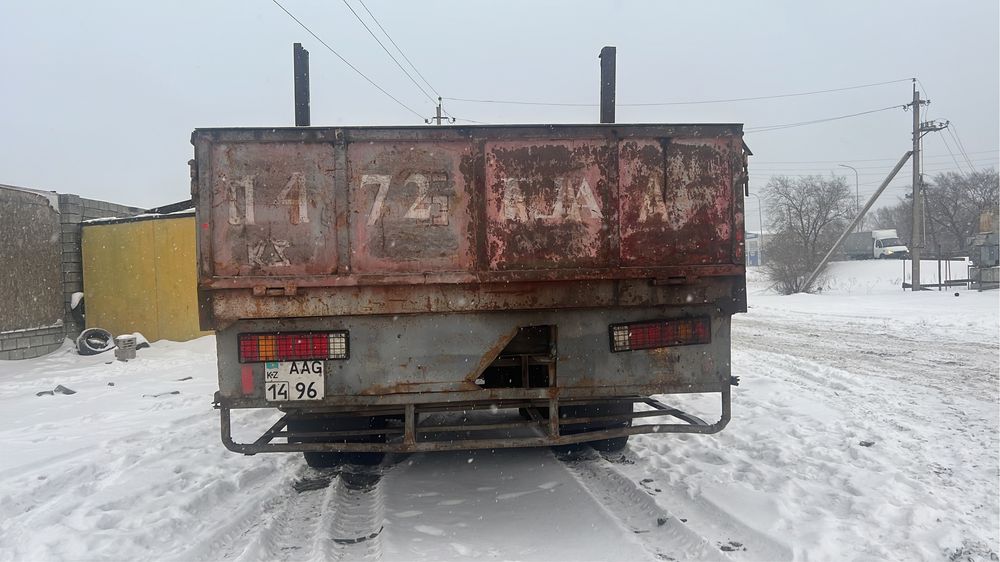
608,84
301,63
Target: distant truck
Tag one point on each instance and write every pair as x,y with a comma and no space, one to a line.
393,289
875,244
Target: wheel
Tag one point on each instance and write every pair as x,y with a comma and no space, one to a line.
94,340
613,445
339,423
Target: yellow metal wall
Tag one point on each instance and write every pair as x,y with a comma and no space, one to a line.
140,277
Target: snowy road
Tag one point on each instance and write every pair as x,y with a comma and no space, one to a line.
865,427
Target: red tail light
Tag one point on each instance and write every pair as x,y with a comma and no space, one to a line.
660,333
296,346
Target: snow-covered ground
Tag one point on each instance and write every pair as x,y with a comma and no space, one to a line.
865,427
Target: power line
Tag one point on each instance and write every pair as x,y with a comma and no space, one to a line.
961,147
825,168
948,146
802,173
406,58
345,61
380,44
686,102
994,151
389,37
767,128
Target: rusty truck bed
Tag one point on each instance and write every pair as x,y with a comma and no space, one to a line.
472,267
391,211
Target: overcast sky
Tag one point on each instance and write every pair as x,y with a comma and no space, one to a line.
100,98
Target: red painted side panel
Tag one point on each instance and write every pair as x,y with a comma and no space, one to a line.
284,210
273,209
548,204
410,207
676,202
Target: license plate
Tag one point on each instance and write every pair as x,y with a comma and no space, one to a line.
293,380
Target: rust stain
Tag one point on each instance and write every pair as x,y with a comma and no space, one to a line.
410,207
409,387
677,202
547,204
484,221
271,209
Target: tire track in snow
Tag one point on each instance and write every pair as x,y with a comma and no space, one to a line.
507,504
252,527
296,529
899,433
874,348
704,531
340,516
664,536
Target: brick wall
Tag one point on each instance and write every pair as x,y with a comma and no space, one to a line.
25,344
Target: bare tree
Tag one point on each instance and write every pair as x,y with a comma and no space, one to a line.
807,214
953,204
898,217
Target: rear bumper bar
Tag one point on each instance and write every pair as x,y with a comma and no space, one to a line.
417,433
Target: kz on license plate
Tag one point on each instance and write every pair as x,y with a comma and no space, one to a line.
293,380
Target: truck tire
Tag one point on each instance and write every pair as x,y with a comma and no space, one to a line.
613,445
93,341
340,423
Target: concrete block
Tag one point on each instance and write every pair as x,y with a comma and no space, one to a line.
41,340
37,351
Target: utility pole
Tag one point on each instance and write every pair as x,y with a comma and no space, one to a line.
917,239
438,117
608,56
